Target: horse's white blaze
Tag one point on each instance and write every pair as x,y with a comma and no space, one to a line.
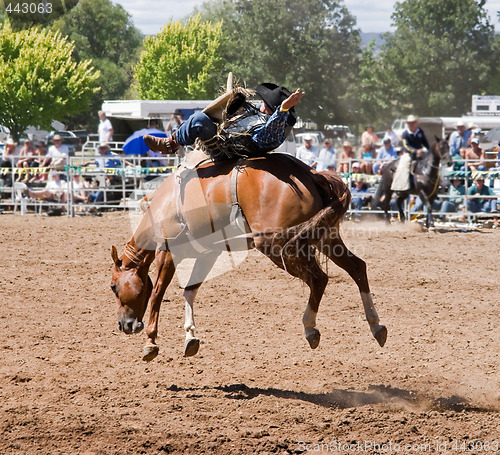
370,311
133,284
189,326
309,320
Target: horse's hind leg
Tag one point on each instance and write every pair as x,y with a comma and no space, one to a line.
302,263
200,271
166,268
336,250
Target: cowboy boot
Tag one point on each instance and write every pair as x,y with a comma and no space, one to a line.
166,145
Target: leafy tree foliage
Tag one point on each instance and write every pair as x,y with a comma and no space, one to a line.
103,32
439,55
312,45
39,81
179,63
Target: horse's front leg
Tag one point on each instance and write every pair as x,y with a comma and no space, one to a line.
400,203
429,222
166,268
200,271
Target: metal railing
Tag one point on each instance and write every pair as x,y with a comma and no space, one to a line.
90,187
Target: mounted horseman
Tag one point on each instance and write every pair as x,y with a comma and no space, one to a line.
417,171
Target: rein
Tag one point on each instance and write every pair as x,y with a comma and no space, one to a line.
133,256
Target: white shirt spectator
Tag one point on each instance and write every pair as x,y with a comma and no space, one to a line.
327,159
308,153
105,129
60,152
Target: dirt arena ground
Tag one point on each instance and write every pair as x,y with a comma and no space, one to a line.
71,384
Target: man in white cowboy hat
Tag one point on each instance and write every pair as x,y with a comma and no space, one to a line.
251,132
57,156
307,152
414,143
459,139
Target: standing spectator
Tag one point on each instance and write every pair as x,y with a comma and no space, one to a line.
476,204
459,138
105,128
307,152
175,121
369,138
346,158
385,155
57,156
327,159
392,136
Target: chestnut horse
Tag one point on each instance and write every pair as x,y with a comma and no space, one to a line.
290,213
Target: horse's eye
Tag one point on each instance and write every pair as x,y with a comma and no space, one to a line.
114,289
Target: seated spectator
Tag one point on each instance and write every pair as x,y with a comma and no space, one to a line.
58,154
385,155
475,156
103,195
106,159
56,189
327,159
346,158
9,160
366,155
456,191
26,159
307,152
477,204
369,139
360,196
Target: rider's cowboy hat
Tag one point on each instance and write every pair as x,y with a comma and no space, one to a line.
273,95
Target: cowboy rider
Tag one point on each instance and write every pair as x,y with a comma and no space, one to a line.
254,131
414,143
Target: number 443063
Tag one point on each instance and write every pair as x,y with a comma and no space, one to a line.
29,8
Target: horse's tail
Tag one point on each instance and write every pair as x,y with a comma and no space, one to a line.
316,230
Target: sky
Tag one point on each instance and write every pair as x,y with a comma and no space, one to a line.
150,15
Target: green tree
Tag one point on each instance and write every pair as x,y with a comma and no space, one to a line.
39,81
179,63
312,45
105,33
439,55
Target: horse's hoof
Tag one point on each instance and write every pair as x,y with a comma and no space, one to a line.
313,338
380,334
192,346
149,351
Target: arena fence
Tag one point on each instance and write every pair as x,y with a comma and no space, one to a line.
90,188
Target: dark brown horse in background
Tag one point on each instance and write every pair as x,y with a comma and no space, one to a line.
292,213
424,182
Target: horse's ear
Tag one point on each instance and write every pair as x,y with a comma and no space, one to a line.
114,256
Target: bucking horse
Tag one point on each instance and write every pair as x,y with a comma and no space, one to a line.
273,203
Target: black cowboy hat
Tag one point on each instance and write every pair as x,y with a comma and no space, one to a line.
273,95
